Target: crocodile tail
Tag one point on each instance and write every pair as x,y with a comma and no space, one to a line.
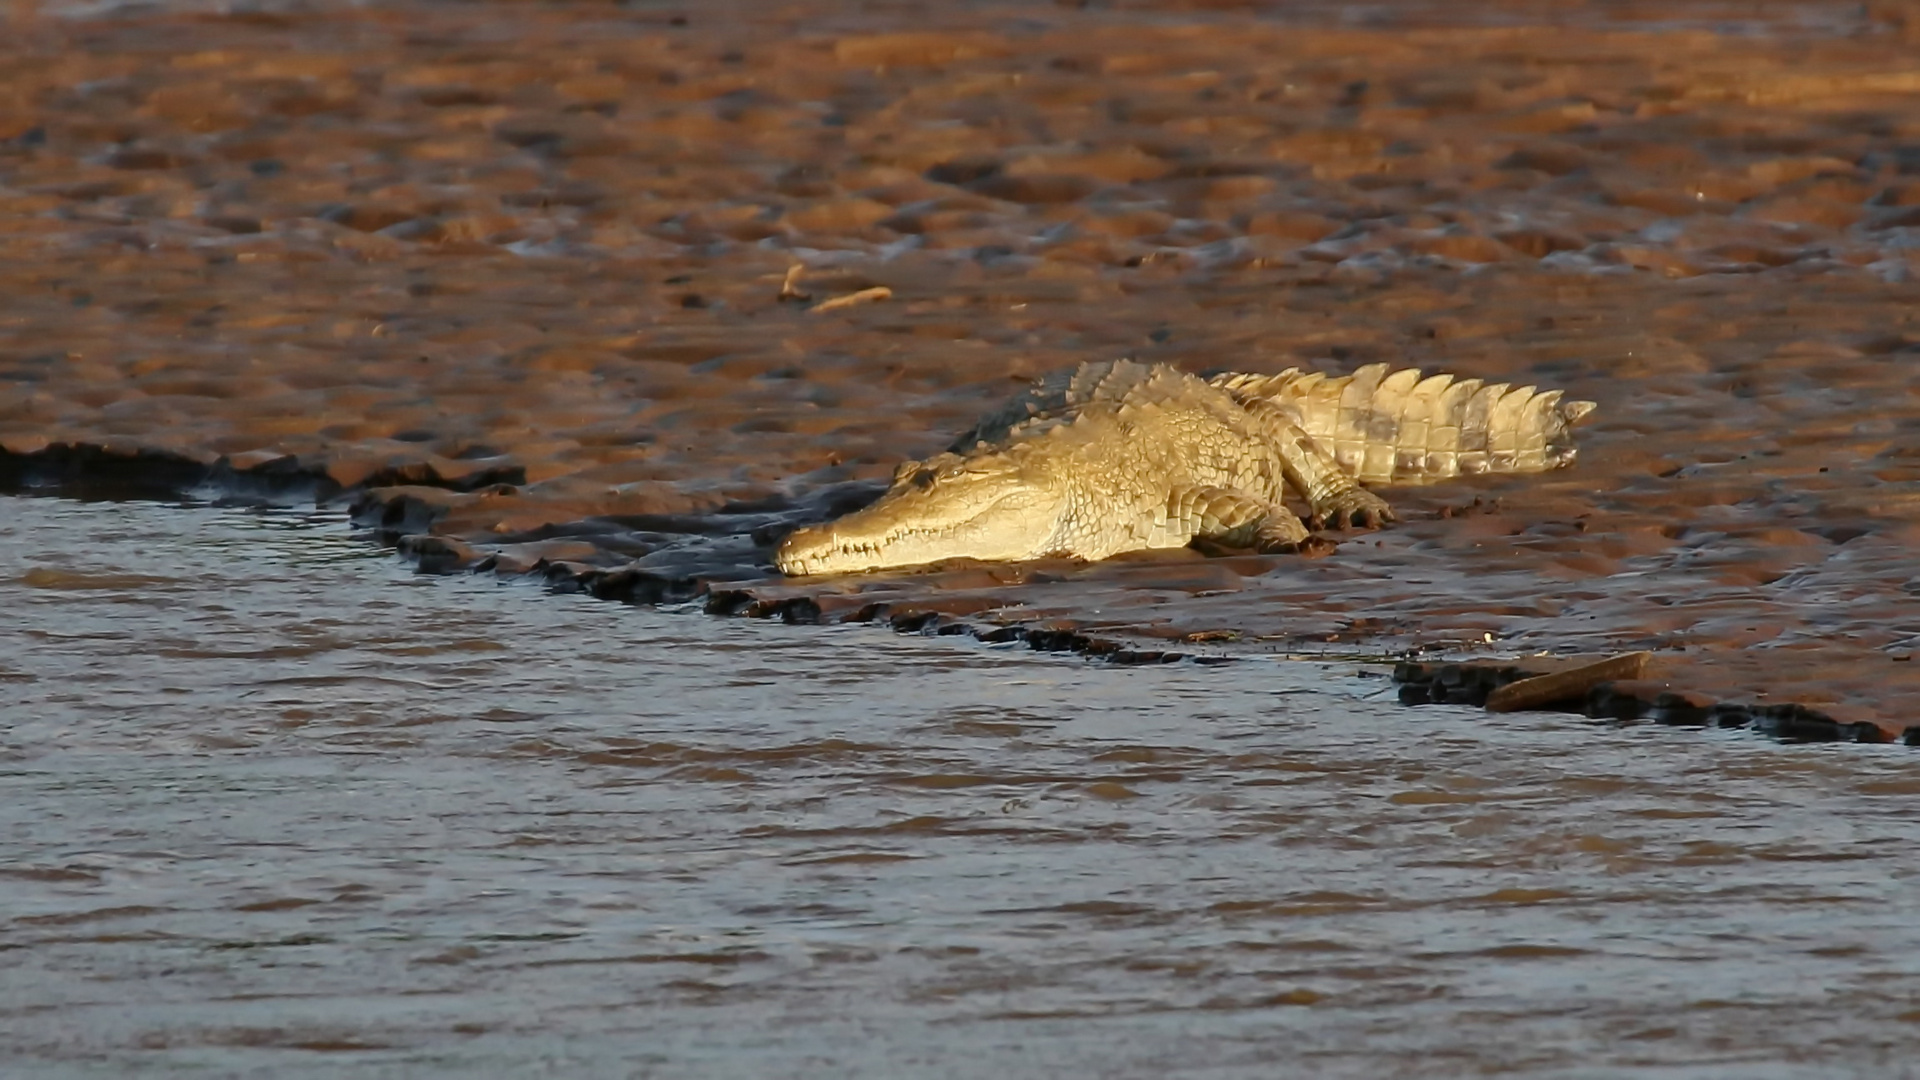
1386,426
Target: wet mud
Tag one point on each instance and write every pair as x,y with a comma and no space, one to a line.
518,280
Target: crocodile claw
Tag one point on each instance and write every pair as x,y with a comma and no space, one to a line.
1358,509
1280,534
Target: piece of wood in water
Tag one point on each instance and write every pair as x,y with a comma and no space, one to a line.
1563,685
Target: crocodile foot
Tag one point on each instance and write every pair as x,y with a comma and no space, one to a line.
1308,546
1280,533
1316,547
1356,508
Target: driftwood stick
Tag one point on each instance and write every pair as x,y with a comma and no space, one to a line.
864,296
1561,685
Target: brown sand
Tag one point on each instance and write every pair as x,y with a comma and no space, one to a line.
449,246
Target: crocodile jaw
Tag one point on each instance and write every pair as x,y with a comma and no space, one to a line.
989,517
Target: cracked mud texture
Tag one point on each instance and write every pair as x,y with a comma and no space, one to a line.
515,273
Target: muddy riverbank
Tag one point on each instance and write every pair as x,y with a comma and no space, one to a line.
514,274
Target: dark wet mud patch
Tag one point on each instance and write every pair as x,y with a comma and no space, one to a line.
1035,606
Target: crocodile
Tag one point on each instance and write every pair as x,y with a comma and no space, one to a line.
1117,456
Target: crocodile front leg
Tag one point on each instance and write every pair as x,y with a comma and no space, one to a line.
1232,519
1336,499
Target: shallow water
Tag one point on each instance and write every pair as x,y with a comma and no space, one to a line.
274,805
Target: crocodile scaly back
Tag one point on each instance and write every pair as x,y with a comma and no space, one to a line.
1387,426
1091,384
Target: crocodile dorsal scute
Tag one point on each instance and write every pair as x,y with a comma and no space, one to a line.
1400,427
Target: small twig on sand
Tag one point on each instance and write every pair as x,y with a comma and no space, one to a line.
864,296
790,288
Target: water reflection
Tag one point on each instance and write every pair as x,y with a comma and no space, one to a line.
273,803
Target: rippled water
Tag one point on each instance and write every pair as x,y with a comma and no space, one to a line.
273,805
